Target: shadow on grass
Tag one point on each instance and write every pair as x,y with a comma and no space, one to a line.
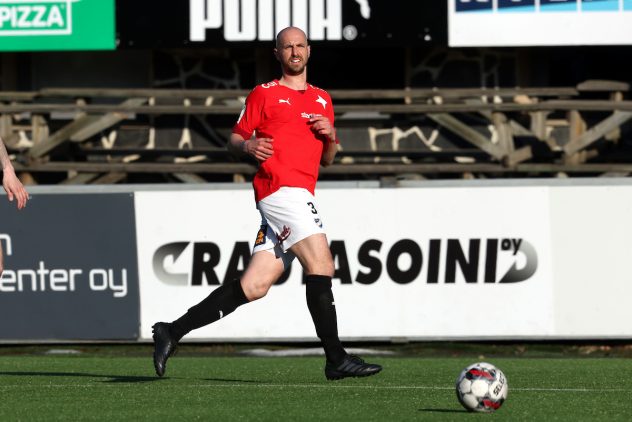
443,410
110,378
115,378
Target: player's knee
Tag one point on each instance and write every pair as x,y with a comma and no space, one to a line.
255,289
322,269
329,269
325,267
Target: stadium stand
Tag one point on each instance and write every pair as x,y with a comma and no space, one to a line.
100,135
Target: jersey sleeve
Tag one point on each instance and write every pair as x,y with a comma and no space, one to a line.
330,115
250,116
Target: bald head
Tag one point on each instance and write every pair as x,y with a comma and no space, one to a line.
292,51
290,32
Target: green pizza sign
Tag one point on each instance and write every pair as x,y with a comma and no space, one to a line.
34,25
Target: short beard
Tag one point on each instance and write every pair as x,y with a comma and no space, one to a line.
296,70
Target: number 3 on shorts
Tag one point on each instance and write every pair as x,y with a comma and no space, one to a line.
311,204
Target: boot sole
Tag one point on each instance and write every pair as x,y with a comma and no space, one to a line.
342,376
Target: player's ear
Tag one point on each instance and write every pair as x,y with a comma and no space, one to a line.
309,50
276,54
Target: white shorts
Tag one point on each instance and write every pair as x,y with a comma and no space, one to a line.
288,216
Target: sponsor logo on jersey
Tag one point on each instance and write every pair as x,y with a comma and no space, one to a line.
281,101
250,20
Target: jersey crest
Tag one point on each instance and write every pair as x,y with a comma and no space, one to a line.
322,101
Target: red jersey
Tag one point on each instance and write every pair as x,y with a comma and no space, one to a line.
282,114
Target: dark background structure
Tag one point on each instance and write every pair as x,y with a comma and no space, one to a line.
159,108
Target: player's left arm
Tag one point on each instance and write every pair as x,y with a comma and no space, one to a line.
330,148
324,127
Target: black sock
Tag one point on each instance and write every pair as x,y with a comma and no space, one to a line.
221,302
320,301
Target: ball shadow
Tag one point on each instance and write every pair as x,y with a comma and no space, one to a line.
443,410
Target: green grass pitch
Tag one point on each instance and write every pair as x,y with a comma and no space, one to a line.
35,386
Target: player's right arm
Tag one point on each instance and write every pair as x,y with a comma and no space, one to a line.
260,148
249,120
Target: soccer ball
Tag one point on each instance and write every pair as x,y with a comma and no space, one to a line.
481,387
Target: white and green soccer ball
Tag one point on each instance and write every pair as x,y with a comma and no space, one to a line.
481,387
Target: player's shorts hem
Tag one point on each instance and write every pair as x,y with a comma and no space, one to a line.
292,215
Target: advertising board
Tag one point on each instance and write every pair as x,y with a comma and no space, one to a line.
69,268
413,263
232,23
508,23
40,25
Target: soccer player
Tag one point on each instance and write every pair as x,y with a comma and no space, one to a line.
294,133
12,186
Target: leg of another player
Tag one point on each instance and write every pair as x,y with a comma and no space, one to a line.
262,272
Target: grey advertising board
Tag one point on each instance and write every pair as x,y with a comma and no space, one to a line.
70,268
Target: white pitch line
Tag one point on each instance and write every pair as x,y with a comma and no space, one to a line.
573,390
328,386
